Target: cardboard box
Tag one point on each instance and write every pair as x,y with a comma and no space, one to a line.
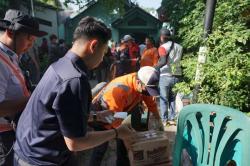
151,148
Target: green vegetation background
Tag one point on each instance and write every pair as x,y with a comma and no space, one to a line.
226,74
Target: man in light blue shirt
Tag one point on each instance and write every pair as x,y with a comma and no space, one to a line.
19,32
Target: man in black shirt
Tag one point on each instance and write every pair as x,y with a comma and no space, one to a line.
54,122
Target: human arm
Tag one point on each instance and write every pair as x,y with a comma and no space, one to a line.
152,106
155,56
163,58
155,121
96,138
9,107
105,116
12,107
71,106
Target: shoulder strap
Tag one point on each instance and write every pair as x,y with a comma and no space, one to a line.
18,75
171,47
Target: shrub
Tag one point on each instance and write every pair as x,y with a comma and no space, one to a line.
226,73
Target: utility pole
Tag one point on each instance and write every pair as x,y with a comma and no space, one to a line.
208,24
209,17
57,3
32,8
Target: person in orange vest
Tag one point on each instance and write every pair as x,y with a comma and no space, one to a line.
123,94
19,32
134,52
150,54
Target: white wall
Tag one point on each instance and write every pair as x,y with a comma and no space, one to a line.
48,15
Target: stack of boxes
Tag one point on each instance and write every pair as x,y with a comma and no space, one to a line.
151,148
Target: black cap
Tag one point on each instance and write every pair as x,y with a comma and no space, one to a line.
18,21
165,32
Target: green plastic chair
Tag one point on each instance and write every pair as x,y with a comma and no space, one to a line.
212,135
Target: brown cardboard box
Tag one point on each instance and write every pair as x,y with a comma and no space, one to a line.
151,148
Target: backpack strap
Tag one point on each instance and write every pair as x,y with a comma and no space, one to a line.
171,47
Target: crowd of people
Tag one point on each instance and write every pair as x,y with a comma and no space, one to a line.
49,121
36,60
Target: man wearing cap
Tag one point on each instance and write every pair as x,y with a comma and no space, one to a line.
18,33
134,52
122,61
170,72
123,94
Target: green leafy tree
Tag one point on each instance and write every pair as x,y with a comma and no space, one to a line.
112,6
17,3
226,77
55,3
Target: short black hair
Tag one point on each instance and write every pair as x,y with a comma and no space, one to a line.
165,32
52,36
61,41
90,28
151,39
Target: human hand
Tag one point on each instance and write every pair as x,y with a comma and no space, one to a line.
155,124
127,134
105,116
138,61
158,121
169,162
157,116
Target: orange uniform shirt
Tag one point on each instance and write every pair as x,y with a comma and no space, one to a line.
120,95
149,57
134,52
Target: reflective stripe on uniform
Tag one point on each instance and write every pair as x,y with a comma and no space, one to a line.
99,97
101,101
4,125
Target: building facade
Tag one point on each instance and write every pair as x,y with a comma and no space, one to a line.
135,21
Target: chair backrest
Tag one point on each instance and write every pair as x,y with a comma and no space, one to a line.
212,135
